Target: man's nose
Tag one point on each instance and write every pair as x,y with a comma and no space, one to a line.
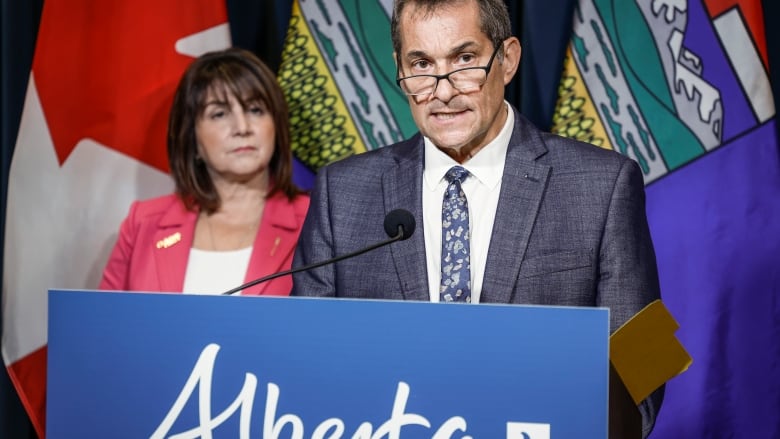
444,90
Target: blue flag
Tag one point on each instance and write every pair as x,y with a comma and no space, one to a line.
683,89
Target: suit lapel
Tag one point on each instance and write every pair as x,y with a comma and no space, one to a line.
402,190
522,186
173,240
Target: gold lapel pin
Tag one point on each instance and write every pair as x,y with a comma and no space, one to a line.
276,244
168,241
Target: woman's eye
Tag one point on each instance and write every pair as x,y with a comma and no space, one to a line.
217,114
256,109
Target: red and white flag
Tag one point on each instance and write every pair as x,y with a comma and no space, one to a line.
91,140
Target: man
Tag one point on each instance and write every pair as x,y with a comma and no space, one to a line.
508,214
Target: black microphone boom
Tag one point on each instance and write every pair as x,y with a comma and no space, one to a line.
399,225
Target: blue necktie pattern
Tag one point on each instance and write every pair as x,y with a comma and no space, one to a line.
455,235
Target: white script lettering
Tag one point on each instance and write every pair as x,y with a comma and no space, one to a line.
331,428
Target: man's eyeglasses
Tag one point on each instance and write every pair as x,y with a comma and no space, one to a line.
467,80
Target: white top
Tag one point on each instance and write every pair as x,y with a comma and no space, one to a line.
212,272
481,188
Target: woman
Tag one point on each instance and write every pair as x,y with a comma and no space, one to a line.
236,215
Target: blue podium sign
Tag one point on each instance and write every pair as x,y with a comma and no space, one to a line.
138,365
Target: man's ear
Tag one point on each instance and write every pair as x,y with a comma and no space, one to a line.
512,52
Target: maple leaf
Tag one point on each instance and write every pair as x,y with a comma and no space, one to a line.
107,71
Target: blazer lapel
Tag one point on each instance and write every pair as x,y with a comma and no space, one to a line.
522,186
402,190
173,241
274,243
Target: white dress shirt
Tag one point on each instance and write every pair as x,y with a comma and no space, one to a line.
481,188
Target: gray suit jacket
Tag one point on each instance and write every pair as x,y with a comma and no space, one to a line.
570,229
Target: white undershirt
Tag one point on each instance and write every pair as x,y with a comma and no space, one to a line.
211,272
482,188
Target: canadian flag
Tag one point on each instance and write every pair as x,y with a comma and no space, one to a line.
91,140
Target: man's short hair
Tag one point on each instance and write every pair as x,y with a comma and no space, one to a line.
493,17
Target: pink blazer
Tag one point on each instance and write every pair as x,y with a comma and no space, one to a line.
154,244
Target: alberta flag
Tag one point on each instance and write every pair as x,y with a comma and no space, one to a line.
682,88
338,76
91,140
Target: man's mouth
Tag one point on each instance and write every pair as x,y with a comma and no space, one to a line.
447,115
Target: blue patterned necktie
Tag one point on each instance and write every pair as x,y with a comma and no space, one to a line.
455,235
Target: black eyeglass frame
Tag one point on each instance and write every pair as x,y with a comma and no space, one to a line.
446,76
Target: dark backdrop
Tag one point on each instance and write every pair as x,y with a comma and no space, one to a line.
259,25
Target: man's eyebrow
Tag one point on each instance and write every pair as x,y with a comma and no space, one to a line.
454,51
416,54
463,47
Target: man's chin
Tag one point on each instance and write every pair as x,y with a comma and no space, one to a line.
451,147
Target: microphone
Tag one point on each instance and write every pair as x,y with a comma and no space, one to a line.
399,225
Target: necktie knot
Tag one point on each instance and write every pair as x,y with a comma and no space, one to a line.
456,173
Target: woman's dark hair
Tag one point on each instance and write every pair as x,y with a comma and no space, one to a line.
242,74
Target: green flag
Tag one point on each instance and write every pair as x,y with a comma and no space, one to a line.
338,76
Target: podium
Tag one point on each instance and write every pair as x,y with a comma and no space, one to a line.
171,365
